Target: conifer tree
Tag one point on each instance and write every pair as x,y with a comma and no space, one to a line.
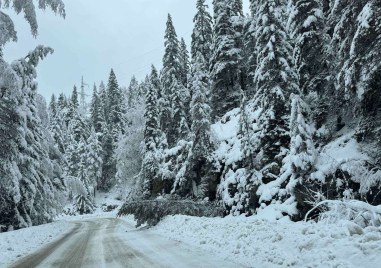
27,195
57,130
355,45
103,101
150,163
171,70
200,128
73,106
53,106
114,107
108,162
132,92
35,203
302,149
202,36
308,23
184,62
275,80
93,160
96,112
226,58
178,128
61,102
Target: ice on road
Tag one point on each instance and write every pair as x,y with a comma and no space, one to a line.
113,242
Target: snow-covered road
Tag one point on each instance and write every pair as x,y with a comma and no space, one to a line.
110,242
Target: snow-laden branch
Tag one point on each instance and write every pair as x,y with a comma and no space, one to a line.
359,206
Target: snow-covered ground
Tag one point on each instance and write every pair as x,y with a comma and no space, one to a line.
19,243
258,242
246,241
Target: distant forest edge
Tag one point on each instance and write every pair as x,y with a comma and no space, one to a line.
277,111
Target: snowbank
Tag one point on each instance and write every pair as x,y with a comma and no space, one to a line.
17,244
256,242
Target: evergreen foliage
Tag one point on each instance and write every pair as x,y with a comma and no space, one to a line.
226,56
151,212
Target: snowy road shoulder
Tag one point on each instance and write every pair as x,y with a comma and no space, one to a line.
17,244
256,242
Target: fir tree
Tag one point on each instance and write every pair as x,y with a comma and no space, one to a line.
36,203
108,162
302,149
62,102
275,80
73,106
132,92
171,70
226,58
96,112
356,27
178,128
308,25
57,130
150,163
114,106
184,62
200,129
53,106
202,36
103,101
93,161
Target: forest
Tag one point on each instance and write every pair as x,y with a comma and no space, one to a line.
276,111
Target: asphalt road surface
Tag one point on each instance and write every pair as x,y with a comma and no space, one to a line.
115,243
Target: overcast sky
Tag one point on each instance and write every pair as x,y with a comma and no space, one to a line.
96,35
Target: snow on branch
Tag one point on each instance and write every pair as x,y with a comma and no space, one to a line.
352,210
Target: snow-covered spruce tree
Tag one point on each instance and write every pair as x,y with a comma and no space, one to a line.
150,165
83,201
53,106
96,112
73,106
184,62
108,162
226,57
249,53
103,102
57,129
171,69
275,80
302,154
93,160
115,107
77,127
356,42
202,36
132,93
11,138
198,162
56,125
179,128
37,202
308,26
112,105
178,134
18,91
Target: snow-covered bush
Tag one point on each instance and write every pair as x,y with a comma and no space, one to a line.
152,211
361,213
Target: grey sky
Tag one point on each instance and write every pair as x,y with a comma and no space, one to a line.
96,35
